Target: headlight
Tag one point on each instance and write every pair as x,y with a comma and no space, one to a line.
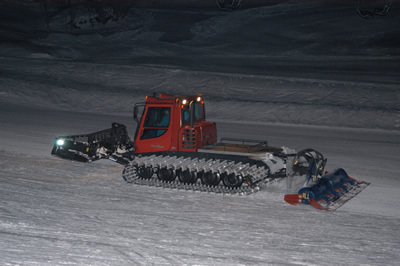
199,99
60,142
184,101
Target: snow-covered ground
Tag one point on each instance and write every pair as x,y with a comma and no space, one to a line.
296,74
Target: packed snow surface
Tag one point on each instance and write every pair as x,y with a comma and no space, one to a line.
298,74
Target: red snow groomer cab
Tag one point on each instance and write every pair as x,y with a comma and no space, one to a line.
176,147
173,124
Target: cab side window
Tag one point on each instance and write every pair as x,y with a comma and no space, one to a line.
156,122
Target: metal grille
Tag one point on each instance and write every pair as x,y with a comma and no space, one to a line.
189,139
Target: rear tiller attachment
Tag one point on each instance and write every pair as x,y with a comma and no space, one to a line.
329,192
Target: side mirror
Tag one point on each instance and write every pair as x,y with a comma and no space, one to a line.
136,111
135,114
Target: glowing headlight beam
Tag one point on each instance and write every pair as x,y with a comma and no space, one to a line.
60,142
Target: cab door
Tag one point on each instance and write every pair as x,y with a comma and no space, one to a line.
154,134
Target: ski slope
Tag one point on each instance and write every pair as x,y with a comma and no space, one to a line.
295,74
61,212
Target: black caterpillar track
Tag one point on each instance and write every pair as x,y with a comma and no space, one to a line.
233,177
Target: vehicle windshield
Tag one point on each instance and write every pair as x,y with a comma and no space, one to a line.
198,112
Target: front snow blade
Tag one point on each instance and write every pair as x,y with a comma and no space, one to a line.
73,150
329,192
93,146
